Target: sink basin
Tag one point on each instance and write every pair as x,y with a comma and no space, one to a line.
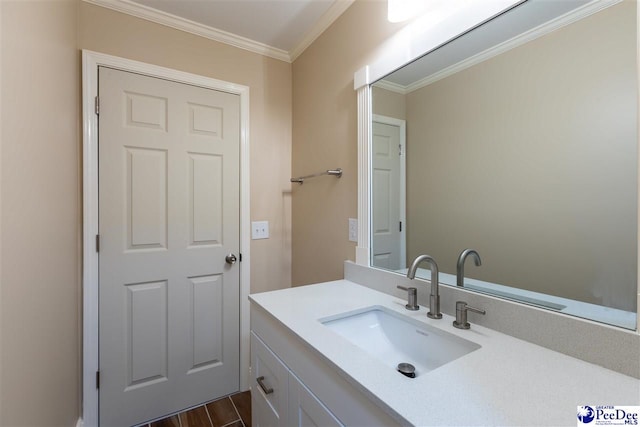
393,338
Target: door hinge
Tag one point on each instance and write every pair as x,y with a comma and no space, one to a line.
97,379
97,103
400,149
97,243
400,226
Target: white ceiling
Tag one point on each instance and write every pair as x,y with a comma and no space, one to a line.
278,28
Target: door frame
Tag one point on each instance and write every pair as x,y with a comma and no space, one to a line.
402,126
90,351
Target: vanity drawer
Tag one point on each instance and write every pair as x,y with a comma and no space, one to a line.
270,386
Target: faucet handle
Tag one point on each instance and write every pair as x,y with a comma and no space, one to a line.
461,314
412,295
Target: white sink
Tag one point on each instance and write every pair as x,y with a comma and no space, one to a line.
394,338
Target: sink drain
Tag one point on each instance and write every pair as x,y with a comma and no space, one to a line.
407,369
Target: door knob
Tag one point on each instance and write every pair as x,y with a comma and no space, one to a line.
230,259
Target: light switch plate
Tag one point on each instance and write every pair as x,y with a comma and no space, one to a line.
353,230
260,230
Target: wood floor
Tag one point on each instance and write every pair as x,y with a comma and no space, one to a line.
231,411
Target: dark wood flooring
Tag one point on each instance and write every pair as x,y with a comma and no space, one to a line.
230,411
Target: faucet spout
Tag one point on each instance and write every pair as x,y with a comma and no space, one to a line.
434,298
460,267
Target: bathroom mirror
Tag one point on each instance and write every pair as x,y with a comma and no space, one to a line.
517,139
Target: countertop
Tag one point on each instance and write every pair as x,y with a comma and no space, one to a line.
506,382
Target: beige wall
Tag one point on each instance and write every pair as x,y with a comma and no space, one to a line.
387,103
40,183
541,177
325,136
40,215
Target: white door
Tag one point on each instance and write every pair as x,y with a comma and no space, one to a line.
387,198
168,216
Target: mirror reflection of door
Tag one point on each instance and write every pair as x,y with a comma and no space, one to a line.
388,193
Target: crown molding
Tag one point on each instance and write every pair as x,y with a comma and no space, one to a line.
159,17
390,86
337,8
539,31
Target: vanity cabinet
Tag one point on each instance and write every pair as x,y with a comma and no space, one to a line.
279,398
307,389
305,409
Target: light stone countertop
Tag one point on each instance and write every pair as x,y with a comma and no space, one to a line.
506,382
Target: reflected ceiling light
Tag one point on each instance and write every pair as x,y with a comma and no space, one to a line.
402,10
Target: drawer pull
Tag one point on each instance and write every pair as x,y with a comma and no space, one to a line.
264,388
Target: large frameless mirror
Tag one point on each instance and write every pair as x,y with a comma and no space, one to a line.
518,140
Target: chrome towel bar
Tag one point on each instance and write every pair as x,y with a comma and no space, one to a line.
335,172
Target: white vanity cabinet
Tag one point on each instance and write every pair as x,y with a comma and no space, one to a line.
307,389
305,409
279,398
331,381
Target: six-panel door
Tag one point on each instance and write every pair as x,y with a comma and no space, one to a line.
169,214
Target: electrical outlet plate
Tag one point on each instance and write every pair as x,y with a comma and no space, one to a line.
260,230
353,230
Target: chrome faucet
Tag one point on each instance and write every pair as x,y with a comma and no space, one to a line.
461,259
434,298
